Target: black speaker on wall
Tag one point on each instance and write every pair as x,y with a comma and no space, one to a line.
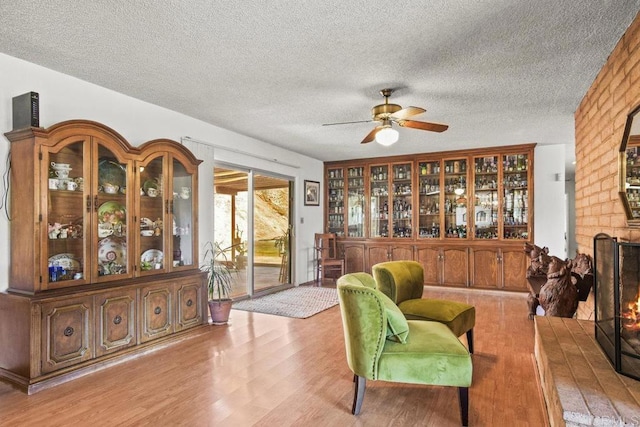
26,110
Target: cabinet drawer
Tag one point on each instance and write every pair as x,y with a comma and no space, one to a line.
115,321
190,303
156,311
67,333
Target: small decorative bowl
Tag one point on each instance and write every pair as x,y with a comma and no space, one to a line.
146,233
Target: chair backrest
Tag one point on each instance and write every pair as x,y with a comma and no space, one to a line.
325,244
399,280
364,321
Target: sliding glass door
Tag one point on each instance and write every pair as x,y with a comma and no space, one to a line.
253,223
231,224
271,230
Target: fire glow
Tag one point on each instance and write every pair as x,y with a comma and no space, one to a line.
630,317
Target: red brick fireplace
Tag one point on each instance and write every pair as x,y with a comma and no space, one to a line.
600,124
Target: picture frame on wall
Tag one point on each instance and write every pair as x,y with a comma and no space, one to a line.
311,193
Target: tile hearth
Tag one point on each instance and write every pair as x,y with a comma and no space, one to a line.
579,385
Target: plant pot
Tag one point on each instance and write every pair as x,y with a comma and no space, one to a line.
220,311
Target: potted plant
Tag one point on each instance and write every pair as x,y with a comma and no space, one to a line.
220,277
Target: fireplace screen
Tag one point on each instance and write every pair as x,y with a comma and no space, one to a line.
617,301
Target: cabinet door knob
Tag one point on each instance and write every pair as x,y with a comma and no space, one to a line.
117,320
189,303
68,331
157,310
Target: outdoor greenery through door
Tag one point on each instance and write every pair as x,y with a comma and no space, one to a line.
256,245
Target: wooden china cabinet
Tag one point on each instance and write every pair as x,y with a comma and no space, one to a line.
104,259
465,215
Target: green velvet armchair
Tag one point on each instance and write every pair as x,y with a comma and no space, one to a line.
381,344
403,282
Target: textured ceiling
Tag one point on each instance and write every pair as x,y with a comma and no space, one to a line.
498,72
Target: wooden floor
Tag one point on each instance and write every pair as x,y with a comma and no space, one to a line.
267,370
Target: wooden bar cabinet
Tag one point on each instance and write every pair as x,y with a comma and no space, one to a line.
465,215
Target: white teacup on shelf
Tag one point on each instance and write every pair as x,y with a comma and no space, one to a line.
72,186
105,230
62,173
110,188
185,192
152,192
59,166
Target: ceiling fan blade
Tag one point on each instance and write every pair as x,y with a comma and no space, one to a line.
372,135
405,113
346,123
433,127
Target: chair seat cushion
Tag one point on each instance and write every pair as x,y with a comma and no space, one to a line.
458,316
432,355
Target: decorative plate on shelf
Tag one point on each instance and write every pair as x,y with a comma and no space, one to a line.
112,250
152,255
112,213
150,258
111,172
66,261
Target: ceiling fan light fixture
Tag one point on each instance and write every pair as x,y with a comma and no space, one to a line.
387,136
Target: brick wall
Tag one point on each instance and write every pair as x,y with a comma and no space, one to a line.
600,121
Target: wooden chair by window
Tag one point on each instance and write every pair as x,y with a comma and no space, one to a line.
327,260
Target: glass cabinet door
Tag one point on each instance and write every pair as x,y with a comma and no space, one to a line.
455,198
485,209
182,210
151,250
335,184
429,199
112,209
379,208
515,168
68,210
355,202
402,209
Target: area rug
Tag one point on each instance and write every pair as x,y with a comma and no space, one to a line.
299,302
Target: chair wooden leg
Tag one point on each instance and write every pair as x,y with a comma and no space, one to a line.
463,394
470,340
358,394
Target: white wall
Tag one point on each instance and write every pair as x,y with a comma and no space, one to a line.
549,199
63,98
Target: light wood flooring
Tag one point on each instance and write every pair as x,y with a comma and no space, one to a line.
267,370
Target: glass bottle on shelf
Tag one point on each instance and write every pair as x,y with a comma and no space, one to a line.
402,205
632,180
515,208
335,204
429,199
66,255
355,202
485,188
380,208
455,198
